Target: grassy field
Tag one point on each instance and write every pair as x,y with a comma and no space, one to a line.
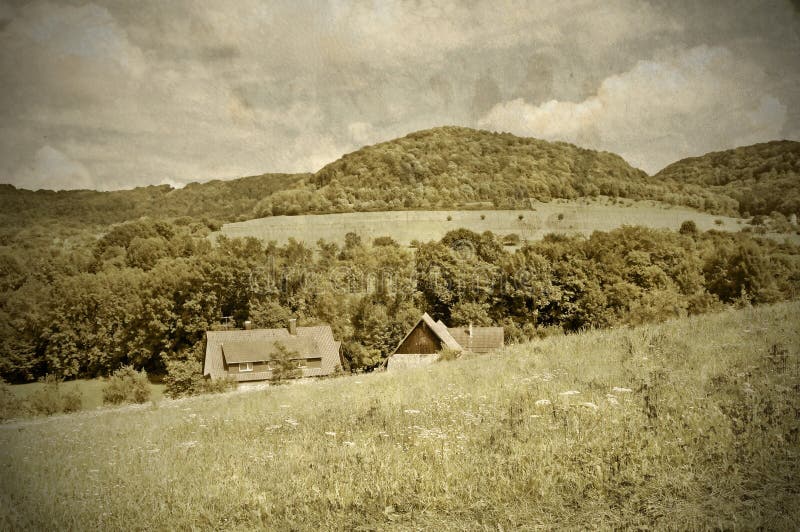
91,391
692,424
560,216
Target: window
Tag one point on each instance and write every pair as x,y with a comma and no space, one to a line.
245,366
313,363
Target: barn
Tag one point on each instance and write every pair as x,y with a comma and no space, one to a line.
427,337
246,355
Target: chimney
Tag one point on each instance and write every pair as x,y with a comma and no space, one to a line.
248,325
293,326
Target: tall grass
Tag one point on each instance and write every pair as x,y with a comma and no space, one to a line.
684,425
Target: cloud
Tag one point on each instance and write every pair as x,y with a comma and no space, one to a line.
143,92
51,168
689,103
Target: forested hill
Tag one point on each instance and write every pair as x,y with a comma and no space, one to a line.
449,167
214,200
763,177
445,167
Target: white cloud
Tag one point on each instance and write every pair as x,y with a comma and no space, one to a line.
696,101
53,169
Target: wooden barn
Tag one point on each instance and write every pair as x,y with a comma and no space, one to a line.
425,339
246,355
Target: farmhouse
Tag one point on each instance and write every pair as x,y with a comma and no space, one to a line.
246,355
425,339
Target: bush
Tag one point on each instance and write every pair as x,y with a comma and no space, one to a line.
689,227
71,401
185,377
446,355
10,405
284,365
127,385
47,400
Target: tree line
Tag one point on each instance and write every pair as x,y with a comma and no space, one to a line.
144,293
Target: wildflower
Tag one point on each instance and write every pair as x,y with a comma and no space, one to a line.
590,405
349,443
617,389
292,422
284,406
542,402
330,434
189,444
570,392
411,411
612,399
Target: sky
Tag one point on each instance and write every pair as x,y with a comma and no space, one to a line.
116,94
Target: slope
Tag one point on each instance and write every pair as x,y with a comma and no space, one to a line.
762,178
691,424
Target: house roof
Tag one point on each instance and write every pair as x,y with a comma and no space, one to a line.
438,328
259,345
482,339
264,349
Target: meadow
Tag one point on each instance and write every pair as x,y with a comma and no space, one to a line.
559,216
689,424
90,390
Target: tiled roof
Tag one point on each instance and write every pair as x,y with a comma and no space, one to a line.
310,342
482,340
262,350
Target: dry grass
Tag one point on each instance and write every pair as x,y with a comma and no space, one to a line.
706,437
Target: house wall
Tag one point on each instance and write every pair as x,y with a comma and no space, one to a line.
421,341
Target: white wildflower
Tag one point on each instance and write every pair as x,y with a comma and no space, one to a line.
189,444
617,389
542,402
349,443
411,411
611,399
331,433
589,405
292,422
284,406
570,392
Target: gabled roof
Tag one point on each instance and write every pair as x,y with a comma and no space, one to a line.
259,345
482,339
438,328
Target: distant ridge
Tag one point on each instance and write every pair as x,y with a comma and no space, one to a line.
762,178
440,168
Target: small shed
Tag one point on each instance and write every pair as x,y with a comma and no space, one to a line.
427,337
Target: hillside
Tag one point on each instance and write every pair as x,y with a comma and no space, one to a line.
440,168
223,201
691,424
763,177
447,167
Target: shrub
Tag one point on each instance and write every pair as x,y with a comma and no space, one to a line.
10,405
47,400
520,216
449,218
560,216
284,365
483,216
127,385
71,401
511,239
446,355
718,221
184,378
688,227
